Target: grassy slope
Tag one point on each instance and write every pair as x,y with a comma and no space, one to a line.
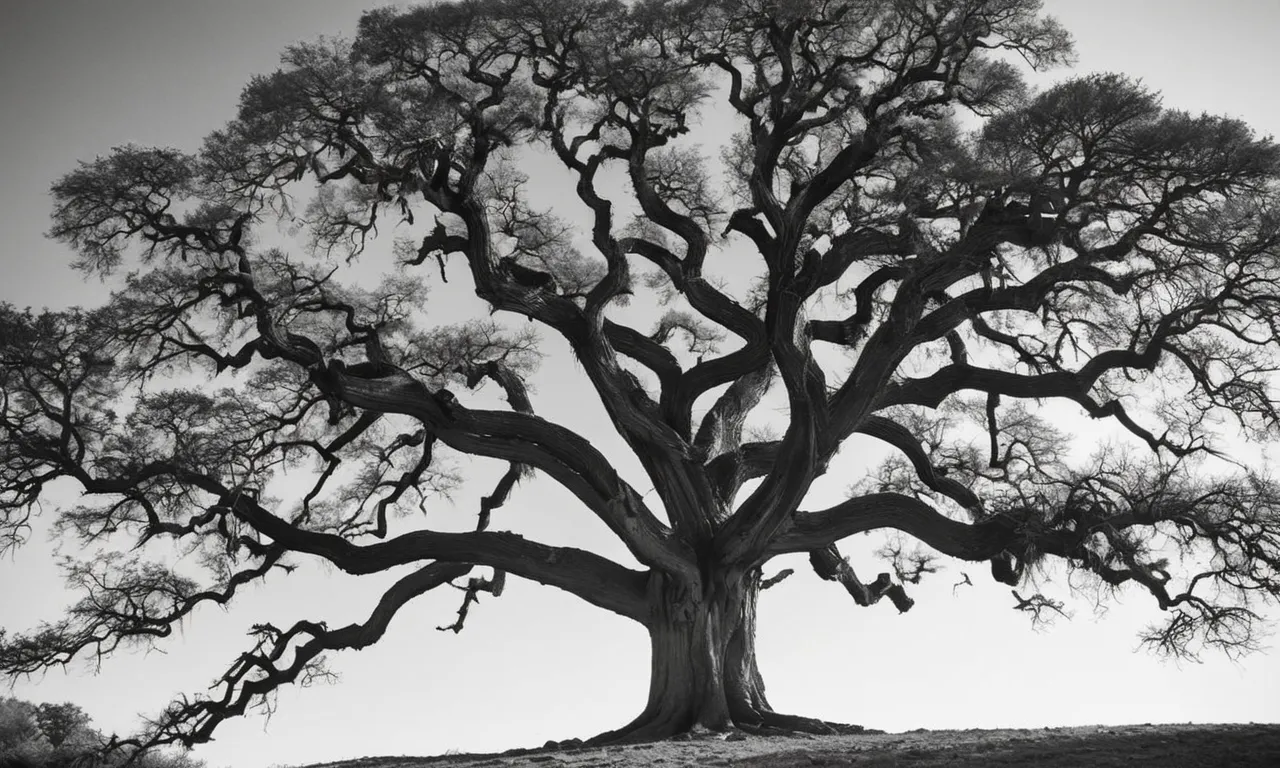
1171,746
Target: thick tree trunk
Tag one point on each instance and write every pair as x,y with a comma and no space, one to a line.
703,673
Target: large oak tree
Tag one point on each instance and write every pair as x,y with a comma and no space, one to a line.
897,241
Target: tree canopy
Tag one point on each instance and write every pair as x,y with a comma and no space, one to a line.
897,240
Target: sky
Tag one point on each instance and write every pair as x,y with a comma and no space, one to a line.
78,77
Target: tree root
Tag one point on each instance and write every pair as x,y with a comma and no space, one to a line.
649,726
779,724
656,727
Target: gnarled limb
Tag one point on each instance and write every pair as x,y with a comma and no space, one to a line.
967,541
475,586
525,439
831,566
257,674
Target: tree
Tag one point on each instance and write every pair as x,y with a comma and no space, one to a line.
57,735
859,257
20,734
60,722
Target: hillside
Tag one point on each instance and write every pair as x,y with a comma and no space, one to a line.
1171,746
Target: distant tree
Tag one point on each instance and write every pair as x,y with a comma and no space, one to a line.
20,736
62,736
60,722
855,258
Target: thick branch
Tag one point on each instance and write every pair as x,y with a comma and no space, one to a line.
901,438
595,579
816,530
525,439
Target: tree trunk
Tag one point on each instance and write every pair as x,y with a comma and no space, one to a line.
703,672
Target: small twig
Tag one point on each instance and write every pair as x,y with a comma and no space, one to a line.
1040,607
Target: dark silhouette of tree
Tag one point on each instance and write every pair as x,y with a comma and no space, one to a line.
855,258
60,722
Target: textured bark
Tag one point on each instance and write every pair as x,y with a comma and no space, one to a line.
703,669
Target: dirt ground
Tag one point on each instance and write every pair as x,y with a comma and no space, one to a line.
1168,746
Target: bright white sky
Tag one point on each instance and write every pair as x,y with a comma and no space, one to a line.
78,77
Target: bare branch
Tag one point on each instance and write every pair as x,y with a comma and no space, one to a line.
829,565
775,579
474,587
1043,610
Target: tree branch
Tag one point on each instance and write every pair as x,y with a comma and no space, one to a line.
816,530
831,566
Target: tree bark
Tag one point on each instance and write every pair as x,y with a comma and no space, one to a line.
703,671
